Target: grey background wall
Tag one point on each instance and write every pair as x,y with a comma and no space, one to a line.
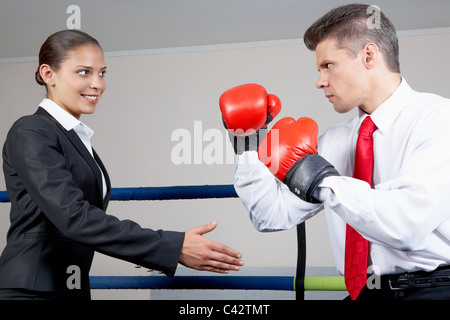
153,95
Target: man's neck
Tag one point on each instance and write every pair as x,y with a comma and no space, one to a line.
381,89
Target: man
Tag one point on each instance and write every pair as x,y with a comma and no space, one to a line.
400,213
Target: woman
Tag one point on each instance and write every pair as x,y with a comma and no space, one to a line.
59,190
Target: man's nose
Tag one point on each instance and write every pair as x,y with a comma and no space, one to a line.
322,82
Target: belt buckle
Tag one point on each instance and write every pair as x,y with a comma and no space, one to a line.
392,287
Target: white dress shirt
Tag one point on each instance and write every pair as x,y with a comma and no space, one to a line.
69,122
405,216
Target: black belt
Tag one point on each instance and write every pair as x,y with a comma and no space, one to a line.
419,279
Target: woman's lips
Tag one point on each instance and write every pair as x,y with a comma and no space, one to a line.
91,98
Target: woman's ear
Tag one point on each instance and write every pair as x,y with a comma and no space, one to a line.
47,74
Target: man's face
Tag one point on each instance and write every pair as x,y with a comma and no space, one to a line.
342,77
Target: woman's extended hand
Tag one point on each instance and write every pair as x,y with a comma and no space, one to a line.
204,254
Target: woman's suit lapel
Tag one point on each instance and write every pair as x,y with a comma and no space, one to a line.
81,148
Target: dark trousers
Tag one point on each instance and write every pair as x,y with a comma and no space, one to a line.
432,293
419,285
23,294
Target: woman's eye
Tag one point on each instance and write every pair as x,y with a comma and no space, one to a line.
83,72
102,73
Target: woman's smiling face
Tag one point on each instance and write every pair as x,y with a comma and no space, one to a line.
79,82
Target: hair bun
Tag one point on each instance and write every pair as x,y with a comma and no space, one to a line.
38,78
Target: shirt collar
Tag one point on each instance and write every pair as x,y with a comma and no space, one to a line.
387,112
68,121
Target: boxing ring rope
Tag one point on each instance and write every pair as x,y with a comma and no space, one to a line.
283,283
174,193
164,193
299,283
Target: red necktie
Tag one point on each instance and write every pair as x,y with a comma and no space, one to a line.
356,247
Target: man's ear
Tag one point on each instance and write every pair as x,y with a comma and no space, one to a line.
47,74
371,55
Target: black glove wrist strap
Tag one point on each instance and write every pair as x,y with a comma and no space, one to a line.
247,143
306,174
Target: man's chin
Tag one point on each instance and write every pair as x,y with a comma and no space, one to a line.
342,109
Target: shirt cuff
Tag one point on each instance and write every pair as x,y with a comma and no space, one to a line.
322,193
325,190
348,197
247,162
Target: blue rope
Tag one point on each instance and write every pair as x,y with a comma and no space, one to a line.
174,193
194,282
164,193
4,196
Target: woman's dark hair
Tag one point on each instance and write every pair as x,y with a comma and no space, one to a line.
57,46
348,24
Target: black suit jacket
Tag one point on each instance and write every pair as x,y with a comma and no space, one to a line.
58,214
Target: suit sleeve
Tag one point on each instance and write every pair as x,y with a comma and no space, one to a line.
35,153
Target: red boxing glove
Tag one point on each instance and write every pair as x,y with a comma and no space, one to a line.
295,140
248,108
290,152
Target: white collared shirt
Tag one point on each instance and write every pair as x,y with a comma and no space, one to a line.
406,216
69,122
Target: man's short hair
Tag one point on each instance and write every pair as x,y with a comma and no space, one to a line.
352,27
